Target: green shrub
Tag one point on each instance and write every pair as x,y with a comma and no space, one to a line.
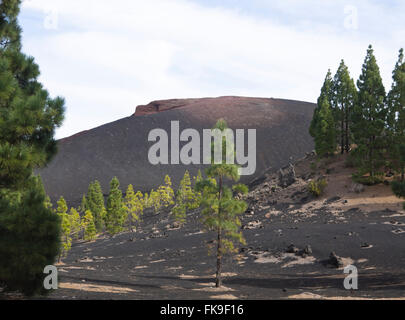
398,187
367,180
317,187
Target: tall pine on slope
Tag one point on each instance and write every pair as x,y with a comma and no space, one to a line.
324,131
327,93
95,203
221,209
369,117
344,97
29,232
396,115
322,127
116,211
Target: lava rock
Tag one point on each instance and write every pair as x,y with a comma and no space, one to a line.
357,188
292,249
286,176
333,199
308,250
335,260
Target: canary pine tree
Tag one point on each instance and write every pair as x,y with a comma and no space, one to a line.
115,211
186,199
324,130
75,223
220,208
327,93
166,193
66,227
369,118
343,101
48,203
134,205
88,226
155,200
95,203
396,115
29,231
83,204
29,238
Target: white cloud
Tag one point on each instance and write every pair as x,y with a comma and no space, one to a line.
106,57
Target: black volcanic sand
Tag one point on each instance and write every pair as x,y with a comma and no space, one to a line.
154,264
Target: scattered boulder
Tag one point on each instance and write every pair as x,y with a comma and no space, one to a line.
174,225
365,245
357,188
333,199
292,249
335,260
256,224
286,176
307,251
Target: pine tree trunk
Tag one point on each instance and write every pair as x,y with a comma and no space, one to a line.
347,143
372,157
218,282
219,259
342,132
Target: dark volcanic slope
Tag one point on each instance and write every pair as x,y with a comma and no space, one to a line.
120,148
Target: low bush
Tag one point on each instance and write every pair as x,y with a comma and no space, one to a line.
317,187
367,180
398,187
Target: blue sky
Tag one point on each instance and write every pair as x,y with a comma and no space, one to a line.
107,57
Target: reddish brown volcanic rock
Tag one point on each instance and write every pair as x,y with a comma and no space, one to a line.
163,105
120,148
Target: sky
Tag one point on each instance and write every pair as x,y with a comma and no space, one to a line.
106,57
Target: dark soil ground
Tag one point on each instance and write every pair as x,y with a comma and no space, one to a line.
159,262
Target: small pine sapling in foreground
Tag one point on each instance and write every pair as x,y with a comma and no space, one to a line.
220,208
